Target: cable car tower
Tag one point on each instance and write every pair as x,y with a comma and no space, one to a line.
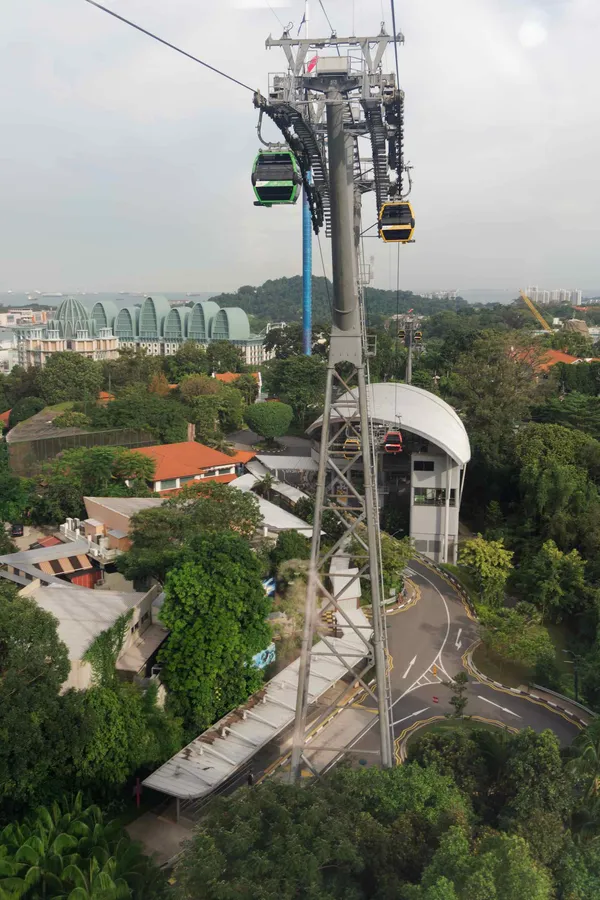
334,93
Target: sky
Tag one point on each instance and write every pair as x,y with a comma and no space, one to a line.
124,166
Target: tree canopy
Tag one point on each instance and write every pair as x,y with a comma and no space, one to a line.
215,608
166,536
270,420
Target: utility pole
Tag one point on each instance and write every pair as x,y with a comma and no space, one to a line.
329,110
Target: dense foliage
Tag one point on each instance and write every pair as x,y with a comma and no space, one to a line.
472,815
169,535
269,420
58,491
67,850
215,608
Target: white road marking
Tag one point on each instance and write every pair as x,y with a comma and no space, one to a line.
503,708
412,662
412,715
410,573
438,658
458,643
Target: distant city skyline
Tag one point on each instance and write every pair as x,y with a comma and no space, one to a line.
125,165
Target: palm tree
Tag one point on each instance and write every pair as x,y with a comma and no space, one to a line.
265,485
68,851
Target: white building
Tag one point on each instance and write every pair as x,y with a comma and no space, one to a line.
9,356
425,480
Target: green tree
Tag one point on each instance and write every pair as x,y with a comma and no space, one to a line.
290,545
458,689
215,608
491,564
516,635
501,867
159,385
270,420
166,536
553,580
586,764
190,359
163,417
223,356
39,728
247,385
13,491
25,409
456,753
127,730
192,386
70,376
493,386
354,835
134,368
299,382
58,491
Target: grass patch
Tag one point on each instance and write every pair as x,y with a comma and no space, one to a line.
450,725
513,674
60,407
465,577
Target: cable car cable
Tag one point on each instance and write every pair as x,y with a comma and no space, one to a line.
160,40
395,42
321,4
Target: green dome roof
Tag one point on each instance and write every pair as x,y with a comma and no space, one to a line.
72,316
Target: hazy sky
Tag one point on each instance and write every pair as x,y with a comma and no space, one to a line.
126,167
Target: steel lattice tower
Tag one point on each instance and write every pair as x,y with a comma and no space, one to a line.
322,105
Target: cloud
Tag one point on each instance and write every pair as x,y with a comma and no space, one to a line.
127,166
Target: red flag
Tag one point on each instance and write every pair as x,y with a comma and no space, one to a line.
312,64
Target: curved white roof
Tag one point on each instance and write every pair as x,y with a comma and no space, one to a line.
418,411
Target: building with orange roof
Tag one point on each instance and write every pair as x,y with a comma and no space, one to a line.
231,377
176,465
544,360
4,418
104,397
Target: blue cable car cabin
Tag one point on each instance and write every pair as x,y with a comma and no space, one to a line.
397,222
276,177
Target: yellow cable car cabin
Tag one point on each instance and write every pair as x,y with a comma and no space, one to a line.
397,222
351,448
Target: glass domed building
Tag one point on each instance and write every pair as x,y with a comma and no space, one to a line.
101,330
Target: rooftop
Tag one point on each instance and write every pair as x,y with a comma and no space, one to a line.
185,459
83,614
216,755
229,377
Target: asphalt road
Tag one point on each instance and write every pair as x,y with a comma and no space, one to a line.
427,642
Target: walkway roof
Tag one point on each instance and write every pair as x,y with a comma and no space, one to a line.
420,412
216,755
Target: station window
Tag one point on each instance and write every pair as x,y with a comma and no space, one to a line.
168,483
423,465
433,497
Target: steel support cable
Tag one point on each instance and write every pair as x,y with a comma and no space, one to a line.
160,40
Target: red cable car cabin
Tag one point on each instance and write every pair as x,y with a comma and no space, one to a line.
393,442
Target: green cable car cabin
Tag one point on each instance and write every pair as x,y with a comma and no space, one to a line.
276,177
397,222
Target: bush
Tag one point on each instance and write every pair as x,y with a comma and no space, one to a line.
290,545
270,420
72,419
25,409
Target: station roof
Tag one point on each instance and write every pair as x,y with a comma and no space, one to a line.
420,412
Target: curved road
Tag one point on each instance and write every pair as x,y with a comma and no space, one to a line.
427,642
